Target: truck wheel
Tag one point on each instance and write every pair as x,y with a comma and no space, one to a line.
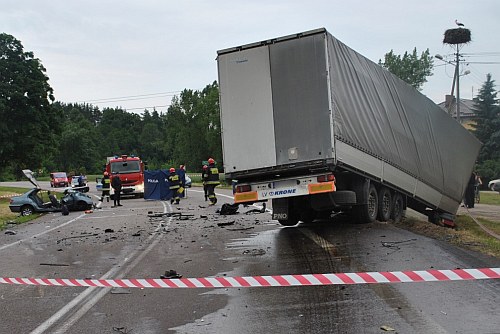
397,208
288,222
384,204
292,220
308,216
434,218
344,197
367,213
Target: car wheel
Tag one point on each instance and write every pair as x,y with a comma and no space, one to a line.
81,205
27,210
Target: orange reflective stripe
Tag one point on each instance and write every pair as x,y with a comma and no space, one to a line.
245,197
318,188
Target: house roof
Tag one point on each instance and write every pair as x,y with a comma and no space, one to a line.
466,107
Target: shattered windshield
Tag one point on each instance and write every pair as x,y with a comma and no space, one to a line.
123,167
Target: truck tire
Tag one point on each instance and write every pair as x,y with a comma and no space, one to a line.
367,213
344,197
291,221
384,204
397,208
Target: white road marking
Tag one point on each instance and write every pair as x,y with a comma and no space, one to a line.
41,233
118,270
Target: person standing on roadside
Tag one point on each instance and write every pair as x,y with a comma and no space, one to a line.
212,181
174,182
469,192
204,177
106,186
116,183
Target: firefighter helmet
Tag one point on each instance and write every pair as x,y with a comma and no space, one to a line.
172,170
211,161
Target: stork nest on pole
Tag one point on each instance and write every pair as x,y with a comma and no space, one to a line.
457,36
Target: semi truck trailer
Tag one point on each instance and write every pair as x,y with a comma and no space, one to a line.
315,127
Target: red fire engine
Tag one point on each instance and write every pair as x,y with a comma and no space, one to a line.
130,169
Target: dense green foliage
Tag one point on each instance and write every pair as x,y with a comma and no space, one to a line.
29,126
187,134
409,67
487,130
45,136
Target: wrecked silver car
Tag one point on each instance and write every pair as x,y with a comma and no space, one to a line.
32,201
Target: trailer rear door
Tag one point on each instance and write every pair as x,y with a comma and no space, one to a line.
246,109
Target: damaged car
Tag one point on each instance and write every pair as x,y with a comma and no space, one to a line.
32,201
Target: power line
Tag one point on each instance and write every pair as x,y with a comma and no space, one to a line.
153,107
131,97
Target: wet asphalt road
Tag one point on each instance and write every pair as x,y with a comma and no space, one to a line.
137,246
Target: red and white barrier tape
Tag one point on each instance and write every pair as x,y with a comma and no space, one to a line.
270,281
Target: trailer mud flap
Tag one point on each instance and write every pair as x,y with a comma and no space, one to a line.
280,208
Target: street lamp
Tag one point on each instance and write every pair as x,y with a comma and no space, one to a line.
456,78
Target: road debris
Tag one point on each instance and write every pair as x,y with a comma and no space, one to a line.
55,264
138,233
10,232
387,328
226,223
394,244
78,236
178,215
261,210
228,209
240,229
169,274
254,252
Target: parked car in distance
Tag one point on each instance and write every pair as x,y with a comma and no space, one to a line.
37,200
188,181
494,185
98,183
79,186
59,179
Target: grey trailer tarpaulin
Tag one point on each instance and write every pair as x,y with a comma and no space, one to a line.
383,116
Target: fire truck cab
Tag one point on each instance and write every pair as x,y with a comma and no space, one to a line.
130,169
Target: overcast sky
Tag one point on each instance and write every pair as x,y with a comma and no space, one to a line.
139,53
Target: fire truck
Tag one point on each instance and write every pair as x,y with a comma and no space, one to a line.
130,169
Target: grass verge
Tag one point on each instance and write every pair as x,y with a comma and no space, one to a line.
466,234
6,216
490,198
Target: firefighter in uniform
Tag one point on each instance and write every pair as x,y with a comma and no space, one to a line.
106,186
212,180
204,176
174,185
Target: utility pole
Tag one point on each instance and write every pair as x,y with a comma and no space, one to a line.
459,37
457,75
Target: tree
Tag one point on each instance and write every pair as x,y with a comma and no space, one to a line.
30,124
409,67
193,127
487,127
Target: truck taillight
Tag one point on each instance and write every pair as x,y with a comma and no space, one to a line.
326,178
243,188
